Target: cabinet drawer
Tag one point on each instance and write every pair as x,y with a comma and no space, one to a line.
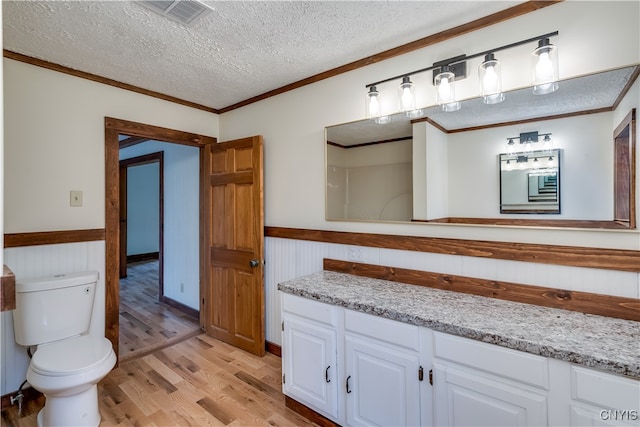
505,362
382,329
604,390
314,310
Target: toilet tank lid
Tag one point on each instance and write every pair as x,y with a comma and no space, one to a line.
56,281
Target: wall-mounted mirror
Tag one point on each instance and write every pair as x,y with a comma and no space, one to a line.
530,183
442,167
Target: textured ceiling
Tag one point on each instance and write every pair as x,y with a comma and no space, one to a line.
240,50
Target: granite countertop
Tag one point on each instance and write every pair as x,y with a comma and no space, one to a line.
599,342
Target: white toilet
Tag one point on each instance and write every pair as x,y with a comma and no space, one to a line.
54,314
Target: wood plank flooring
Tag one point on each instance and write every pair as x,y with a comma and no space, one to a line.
145,322
197,382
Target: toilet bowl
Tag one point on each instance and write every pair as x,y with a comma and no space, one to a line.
67,373
54,313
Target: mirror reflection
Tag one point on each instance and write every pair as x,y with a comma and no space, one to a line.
442,167
530,183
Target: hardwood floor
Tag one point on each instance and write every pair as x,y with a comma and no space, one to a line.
145,322
197,382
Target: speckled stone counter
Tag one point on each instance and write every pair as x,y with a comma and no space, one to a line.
604,343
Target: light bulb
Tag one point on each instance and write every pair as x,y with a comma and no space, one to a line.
490,76
444,90
545,68
407,98
374,106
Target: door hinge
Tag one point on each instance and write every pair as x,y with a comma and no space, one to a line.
420,374
283,326
283,381
431,376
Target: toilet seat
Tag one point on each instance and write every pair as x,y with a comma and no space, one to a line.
73,356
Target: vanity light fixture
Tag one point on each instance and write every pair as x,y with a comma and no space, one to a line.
490,73
529,139
545,78
407,95
374,107
446,90
545,68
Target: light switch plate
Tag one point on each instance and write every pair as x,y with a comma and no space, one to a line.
75,198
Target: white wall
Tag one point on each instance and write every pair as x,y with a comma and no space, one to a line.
53,143
181,277
143,208
586,170
294,136
370,183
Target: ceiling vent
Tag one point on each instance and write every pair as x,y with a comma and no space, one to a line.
182,11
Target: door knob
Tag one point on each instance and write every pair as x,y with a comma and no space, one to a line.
254,263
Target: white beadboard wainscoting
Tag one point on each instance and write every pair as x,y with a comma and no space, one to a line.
35,261
289,258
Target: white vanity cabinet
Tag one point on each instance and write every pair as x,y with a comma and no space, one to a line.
483,384
382,369
309,357
353,368
364,370
600,399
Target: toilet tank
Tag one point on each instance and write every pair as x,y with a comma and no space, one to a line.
55,307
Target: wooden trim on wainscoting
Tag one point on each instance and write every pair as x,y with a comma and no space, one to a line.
273,348
14,240
562,223
608,259
584,302
8,291
104,80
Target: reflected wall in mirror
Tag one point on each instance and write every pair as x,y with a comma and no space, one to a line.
530,183
441,168
370,182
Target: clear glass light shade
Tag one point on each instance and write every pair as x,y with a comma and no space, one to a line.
407,95
511,147
373,103
490,73
547,144
445,90
545,68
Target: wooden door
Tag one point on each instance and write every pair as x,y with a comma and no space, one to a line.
625,172
233,279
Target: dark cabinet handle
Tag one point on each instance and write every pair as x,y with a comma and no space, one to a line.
326,374
348,391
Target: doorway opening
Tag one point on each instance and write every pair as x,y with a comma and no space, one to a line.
128,134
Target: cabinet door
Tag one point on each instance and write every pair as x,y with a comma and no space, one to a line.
309,364
383,386
463,398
